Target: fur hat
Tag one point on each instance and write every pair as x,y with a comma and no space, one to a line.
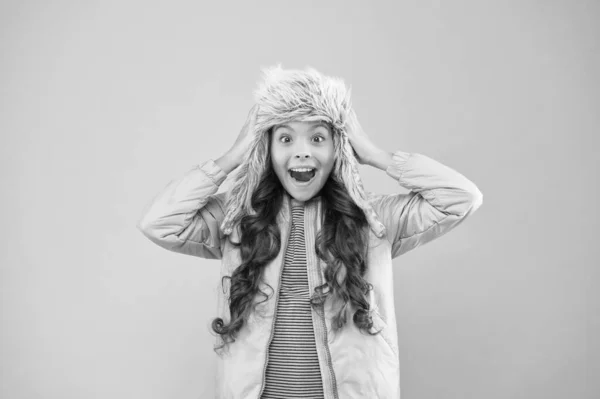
283,96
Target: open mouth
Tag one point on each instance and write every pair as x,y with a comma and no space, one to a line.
302,175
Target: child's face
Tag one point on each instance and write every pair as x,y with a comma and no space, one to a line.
302,145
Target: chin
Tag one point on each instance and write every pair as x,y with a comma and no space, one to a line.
303,197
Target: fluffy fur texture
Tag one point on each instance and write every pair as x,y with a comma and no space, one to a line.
284,96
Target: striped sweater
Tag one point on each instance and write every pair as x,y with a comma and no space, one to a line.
293,366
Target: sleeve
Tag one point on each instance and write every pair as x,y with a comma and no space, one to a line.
186,215
439,200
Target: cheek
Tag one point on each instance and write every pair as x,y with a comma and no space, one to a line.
277,159
328,158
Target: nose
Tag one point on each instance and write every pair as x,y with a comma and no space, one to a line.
302,155
302,150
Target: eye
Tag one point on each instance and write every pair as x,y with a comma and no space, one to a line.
319,137
282,139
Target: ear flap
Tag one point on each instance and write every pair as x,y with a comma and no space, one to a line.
246,181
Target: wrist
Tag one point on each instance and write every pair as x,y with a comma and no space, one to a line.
228,161
381,159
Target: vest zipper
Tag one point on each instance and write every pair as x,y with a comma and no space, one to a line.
262,388
324,324
329,363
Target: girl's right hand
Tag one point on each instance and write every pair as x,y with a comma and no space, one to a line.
245,137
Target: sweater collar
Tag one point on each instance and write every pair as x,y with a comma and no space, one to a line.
314,204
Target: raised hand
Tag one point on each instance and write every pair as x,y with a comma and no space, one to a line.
364,149
244,138
232,158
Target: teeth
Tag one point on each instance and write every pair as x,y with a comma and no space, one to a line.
301,169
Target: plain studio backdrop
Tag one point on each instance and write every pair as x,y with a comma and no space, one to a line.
104,102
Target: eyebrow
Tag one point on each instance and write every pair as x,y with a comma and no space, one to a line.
320,124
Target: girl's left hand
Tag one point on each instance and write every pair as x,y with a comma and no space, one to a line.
364,149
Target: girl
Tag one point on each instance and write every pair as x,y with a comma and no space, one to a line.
305,305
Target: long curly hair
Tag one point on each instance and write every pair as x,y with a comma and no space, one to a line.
342,243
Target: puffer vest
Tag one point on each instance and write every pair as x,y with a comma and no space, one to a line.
185,218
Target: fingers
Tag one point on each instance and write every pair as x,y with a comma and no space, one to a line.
352,120
252,110
252,115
